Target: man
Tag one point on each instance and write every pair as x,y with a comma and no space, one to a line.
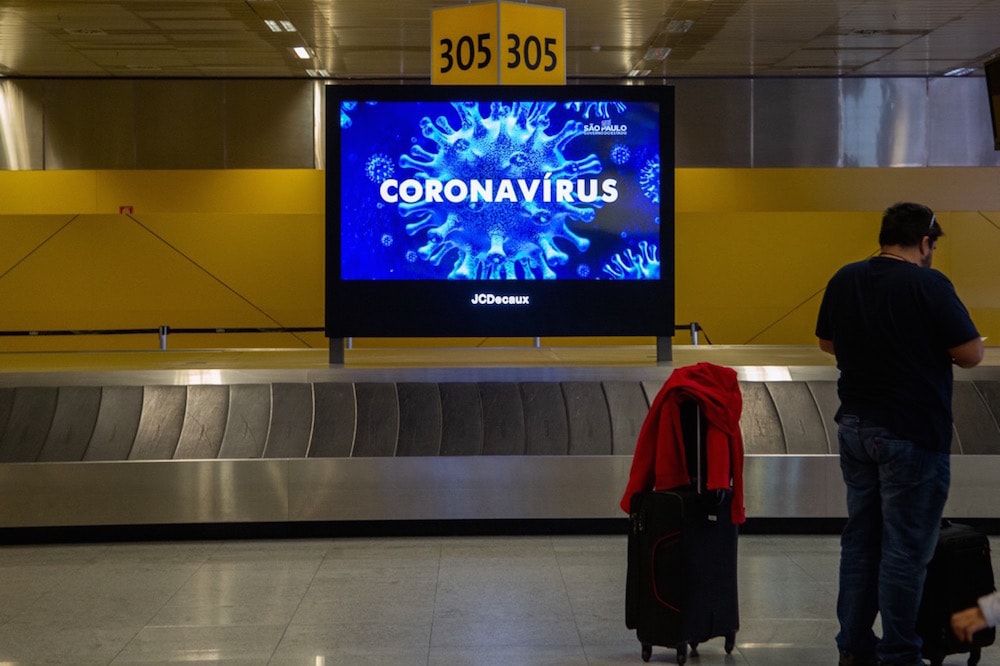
896,327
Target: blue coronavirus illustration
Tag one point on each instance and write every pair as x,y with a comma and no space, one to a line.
379,167
599,109
345,120
528,193
641,265
620,154
649,179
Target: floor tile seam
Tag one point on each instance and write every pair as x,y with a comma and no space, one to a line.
439,547
146,623
569,598
298,606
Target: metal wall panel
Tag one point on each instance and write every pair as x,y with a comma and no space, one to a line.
959,128
796,125
90,125
22,125
713,122
179,125
269,125
883,122
729,123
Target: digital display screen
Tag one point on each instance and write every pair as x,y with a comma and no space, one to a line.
507,210
488,190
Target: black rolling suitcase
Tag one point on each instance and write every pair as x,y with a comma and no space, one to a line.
681,585
959,573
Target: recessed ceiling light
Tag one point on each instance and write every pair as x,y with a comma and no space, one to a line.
303,53
318,73
280,25
960,71
658,53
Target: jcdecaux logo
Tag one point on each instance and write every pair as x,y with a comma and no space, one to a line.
494,299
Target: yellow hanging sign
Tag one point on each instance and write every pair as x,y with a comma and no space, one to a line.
534,44
501,42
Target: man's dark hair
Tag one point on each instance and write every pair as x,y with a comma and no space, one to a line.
905,224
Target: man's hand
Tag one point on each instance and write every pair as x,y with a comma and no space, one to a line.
967,622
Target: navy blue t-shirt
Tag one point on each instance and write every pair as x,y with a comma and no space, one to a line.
891,323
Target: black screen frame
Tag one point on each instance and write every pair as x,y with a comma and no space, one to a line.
442,308
992,69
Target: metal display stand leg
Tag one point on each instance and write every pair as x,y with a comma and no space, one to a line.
664,350
336,351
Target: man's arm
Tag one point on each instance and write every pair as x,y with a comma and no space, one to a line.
827,345
968,354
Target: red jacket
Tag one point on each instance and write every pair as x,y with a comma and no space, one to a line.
659,462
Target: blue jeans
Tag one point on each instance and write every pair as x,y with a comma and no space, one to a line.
896,493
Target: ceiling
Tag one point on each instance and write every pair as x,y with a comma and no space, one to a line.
390,39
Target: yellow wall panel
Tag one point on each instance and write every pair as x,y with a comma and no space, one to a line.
856,189
276,263
105,272
245,248
288,191
48,192
22,235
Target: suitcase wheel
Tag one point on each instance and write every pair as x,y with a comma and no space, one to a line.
647,651
730,642
682,653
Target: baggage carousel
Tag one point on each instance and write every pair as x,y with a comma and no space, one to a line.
508,435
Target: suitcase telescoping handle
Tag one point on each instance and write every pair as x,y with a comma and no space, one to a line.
701,484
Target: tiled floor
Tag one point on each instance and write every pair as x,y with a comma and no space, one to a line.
440,600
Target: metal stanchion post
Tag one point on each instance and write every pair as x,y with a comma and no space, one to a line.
694,333
164,330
